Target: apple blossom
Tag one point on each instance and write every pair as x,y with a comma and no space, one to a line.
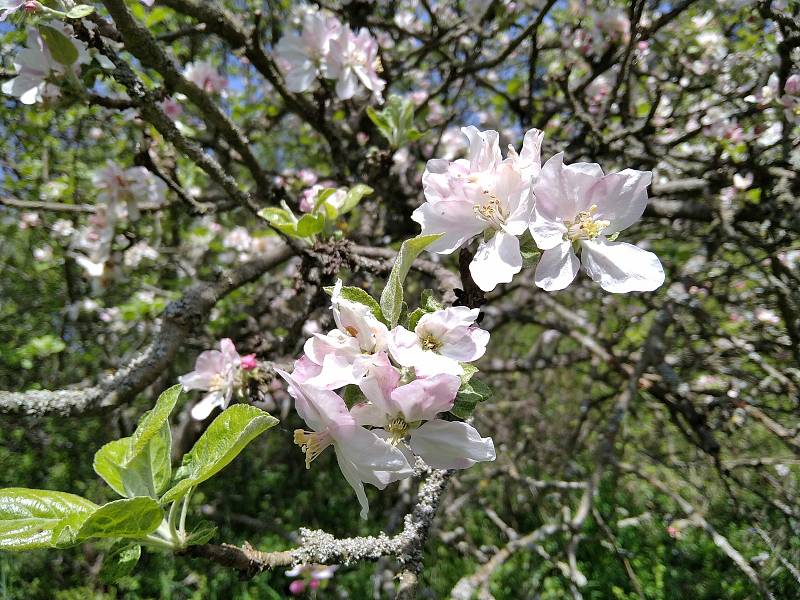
35,68
363,457
303,57
411,410
354,58
440,341
579,204
129,187
217,371
482,194
345,354
205,76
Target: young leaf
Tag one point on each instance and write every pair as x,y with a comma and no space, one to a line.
120,561
202,533
28,518
224,439
469,396
392,296
80,11
140,465
61,47
309,225
127,518
353,197
280,219
414,318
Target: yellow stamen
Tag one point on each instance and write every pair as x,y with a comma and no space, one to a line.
585,226
429,342
312,443
397,430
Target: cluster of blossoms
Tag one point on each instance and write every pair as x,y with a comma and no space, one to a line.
221,373
36,69
327,48
790,99
310,577
120,194
566,208
406,381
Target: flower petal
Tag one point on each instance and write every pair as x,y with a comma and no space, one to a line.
454,218
496,261
620,198
619,267
423,399
202,409
451,445
557,268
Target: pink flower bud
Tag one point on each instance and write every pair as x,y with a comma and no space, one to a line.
31,6
297,587
313,584
249,362
792,86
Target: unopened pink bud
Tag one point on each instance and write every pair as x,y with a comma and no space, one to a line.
792,86
297,587
32,6
249,362
313,584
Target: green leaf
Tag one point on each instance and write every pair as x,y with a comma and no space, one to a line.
120,561
29,518
140,465
61,47
392,296
80,11
469,396
414,318
353,395
469,371
310,224
429,302
396,121
224,439
202,533
280,219
353,197
354,294
127,518
529,250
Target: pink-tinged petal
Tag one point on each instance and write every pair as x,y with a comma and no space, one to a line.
204,408
434,364
376,460
404,346
336,342
451,445
317,407
352,476
337,372
484,148
530,158
381,379
440,322
305,369
469,347
368,414
557,268
454,218
546,234
496,261
619,267
423,399
562,190
620,198
229,353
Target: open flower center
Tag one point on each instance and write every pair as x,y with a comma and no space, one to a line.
312,443
397,430
491,210
585,226
430,342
